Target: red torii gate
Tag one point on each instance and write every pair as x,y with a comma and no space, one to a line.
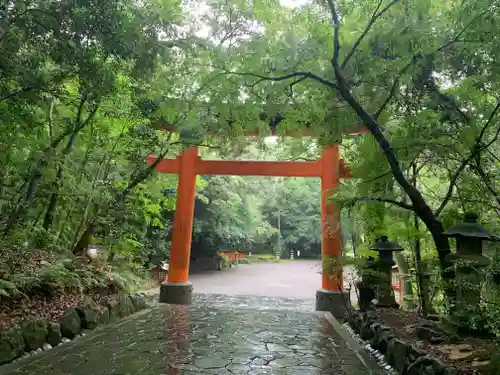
330,168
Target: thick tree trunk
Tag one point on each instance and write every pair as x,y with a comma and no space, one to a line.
420,206
21,205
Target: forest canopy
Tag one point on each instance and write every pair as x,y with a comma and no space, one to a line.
86,86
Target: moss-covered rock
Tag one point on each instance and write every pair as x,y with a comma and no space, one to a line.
133,307
125,306
113,308
34,333
89,314
397,355
11,344
71,324
426,366
54,335
104,316
138,301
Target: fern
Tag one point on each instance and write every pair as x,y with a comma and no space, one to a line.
8,289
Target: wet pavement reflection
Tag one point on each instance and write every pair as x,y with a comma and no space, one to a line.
216,335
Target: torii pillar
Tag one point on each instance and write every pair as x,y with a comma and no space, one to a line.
331,297
330,168
178,290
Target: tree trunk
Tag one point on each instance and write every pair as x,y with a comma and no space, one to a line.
122,196
84,240
423,290
70,210
423,287
354,243
34,179
420,206
54,197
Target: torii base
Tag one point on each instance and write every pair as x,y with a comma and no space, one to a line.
336,302
176,293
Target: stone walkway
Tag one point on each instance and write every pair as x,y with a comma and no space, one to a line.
297,279
216,335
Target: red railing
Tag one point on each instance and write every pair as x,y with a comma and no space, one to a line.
232,256
397,284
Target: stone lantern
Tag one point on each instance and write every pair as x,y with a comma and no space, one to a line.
469,259
385,249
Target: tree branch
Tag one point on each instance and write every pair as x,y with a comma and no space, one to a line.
415,58
476,150
304,75
419,203
392,91
377,177
14,93
79,112
400,204
486,180
493,155
464,29
293,84
144,174
336,28
375,16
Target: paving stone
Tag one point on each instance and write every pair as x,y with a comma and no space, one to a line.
215,335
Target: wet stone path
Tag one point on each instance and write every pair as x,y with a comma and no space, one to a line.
215,335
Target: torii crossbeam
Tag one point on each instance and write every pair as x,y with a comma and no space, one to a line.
330,168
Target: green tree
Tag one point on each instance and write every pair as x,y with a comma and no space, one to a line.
411,76
75,134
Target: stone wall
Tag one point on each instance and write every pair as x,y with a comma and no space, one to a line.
34,335
404,357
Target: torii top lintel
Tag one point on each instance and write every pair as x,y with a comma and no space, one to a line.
253,168
304,132
250,168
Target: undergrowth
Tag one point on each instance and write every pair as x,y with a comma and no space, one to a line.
25,273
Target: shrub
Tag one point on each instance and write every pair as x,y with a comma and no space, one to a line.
224,261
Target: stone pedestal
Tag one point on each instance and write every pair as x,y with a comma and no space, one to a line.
336,302
469,275
385,294
176,293
469,263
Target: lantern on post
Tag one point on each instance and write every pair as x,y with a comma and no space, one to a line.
385,249
469,259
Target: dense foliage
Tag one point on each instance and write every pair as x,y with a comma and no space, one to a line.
85,85
419,76
74,137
